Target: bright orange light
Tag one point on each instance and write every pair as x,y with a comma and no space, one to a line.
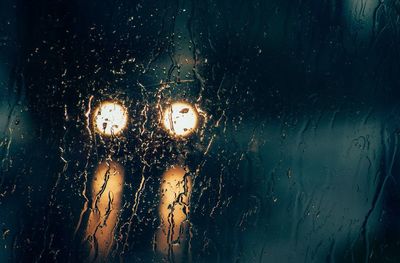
174,208
106,197
110,118
180,119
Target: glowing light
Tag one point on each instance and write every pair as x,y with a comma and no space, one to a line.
174,208
180,119
106,198
110,118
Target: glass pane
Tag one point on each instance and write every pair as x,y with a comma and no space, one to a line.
199,131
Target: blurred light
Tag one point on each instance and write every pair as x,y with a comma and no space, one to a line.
110,118
180,119
174,209
106,198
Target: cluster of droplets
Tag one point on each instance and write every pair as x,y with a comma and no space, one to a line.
103,197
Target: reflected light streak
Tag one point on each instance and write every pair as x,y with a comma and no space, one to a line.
172,236
106,199
110,118
180,119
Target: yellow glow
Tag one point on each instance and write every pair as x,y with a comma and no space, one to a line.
106,198
174,208
110,118
180,119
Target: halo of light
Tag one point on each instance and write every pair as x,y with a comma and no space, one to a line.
110,118
174,207
106,193
180,119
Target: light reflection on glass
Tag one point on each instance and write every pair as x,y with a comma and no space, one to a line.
180,119
106,199
110,118
172,237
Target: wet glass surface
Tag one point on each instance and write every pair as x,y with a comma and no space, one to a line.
199,131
